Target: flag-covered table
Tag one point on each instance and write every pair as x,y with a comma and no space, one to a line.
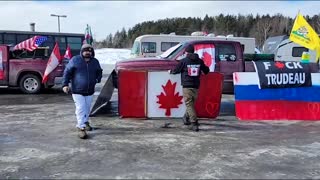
298,103
144,94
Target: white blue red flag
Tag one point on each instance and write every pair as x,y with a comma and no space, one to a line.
31,44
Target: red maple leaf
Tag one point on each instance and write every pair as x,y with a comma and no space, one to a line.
207,59
169,99
279,65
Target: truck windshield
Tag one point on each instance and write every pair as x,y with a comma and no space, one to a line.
171,51
135,51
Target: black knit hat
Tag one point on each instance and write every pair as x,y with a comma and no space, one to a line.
190,49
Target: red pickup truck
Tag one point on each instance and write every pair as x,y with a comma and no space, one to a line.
229,58
25,69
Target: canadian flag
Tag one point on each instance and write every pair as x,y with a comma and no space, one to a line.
67,54
159,94
53,62
165,97
206,52
193,71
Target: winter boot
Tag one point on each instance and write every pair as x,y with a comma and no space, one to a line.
186,120
82,133
88,127
194,126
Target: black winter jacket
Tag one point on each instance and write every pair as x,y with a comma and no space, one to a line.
83,75
190,69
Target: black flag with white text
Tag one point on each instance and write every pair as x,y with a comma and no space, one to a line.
282,74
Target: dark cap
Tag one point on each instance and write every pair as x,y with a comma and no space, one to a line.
86,47
190,49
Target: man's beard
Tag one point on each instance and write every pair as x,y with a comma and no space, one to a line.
87,56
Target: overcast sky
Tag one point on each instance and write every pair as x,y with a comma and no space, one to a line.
107,17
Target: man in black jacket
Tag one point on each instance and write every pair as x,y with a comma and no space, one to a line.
190,68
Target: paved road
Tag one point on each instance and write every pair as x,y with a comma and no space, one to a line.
38,140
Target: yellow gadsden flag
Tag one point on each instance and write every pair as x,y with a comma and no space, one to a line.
302,33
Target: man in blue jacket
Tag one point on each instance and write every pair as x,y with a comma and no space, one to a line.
190,68
84,71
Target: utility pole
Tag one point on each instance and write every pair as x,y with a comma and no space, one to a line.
55,15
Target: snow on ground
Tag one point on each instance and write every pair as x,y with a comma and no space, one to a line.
111,55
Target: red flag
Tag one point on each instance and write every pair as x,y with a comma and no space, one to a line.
31,44
53,62
68,54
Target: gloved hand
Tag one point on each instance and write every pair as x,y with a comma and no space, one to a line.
169,71
66,89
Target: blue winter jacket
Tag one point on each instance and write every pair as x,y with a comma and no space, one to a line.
83,75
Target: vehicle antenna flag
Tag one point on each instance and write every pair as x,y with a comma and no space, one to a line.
303,34
88,39
31,44
53,62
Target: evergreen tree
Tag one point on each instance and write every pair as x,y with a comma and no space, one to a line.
260,27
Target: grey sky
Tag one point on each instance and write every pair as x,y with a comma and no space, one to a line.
106,17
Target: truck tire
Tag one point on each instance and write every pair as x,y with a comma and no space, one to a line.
30,84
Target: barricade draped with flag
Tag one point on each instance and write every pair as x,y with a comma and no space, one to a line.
88,39
302,33
31,44
53,62
68,54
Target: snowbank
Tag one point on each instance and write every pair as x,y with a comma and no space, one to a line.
111,55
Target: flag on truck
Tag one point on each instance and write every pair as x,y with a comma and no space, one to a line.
30,44
67,54
302,33
206,52
53,62
88,39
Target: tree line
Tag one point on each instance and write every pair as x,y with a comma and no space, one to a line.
259,26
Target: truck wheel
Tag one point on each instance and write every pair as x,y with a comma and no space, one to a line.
30,84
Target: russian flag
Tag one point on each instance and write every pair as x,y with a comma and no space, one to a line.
252,103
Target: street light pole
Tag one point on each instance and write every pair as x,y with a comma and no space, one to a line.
55,15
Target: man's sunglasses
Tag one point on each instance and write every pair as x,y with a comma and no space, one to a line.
87,49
